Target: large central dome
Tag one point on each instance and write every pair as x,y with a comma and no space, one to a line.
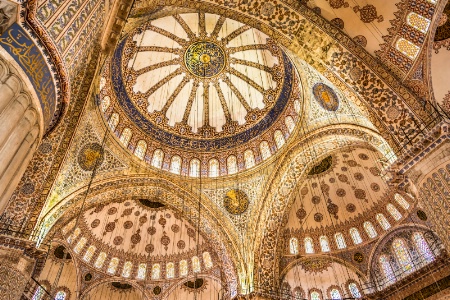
202,83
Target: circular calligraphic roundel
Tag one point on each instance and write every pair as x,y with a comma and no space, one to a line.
204,59
235,202
90,156
326,97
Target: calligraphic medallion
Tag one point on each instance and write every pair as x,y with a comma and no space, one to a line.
326,97
235,202
204,59
90,156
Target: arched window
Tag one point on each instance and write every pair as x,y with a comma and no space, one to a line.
213,168
156,271
432,1
69,226
370,230
175,164
401,201
74,235
418,22
126,136
407,48
265,150
80,245
340,241
232,164
297,106
402,255
38,294
279,138
113,265
290,124
207,260
170,270
298,294
106,101
422,246
157,158
183,267
100,260
354,290
113,121
324,244
309,246
315,295
140,150
60,295
335,294
356,237
249,159
142,270
387,269
194,168
195,264
293,246
89,253
383,221
126,272
394,212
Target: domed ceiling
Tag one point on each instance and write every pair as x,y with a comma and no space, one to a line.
200,83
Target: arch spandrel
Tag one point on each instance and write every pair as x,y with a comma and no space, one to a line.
224,242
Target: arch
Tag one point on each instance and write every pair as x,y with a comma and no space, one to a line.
418,22
387,269
141,148
402,254
324,245
184,269
309,245
156,271
279,139
213,168
89,253
293,246
232,165
422,246
401,201
356,237
315,294
196,264
106,102
393,211
142,271
407,48
354,289
112,267
113,121
170,270
370,230
335,293
340,240
290,124
175,164
126,271
249,159
157,159
207,260
384,223
97,290
100,260
60,295
125,137
194,168
265,150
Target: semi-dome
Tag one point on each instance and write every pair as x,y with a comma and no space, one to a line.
200,87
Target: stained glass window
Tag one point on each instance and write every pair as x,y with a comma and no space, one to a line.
340,241
100,260
354,290
142,270
418,22
156,271
370,230
194,168
157,158
183,267
80,245
38,294
293,246
423,247
383,221
298,294
89,253
324,244
175,164
113,265
386,268
315,296
170,270
356,237
141,148
195,264
265,150
400,200
394,212
60,295
207,260
106,101
309,247
249,159
297,106
402,255
126,272
290,124
213,168
126,136
74,235
232,164
279,138
335,295
407,48
113,121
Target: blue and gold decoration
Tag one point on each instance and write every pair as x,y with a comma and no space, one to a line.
204,59
21,47
326,97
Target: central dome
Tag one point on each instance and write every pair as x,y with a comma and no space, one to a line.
204,59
